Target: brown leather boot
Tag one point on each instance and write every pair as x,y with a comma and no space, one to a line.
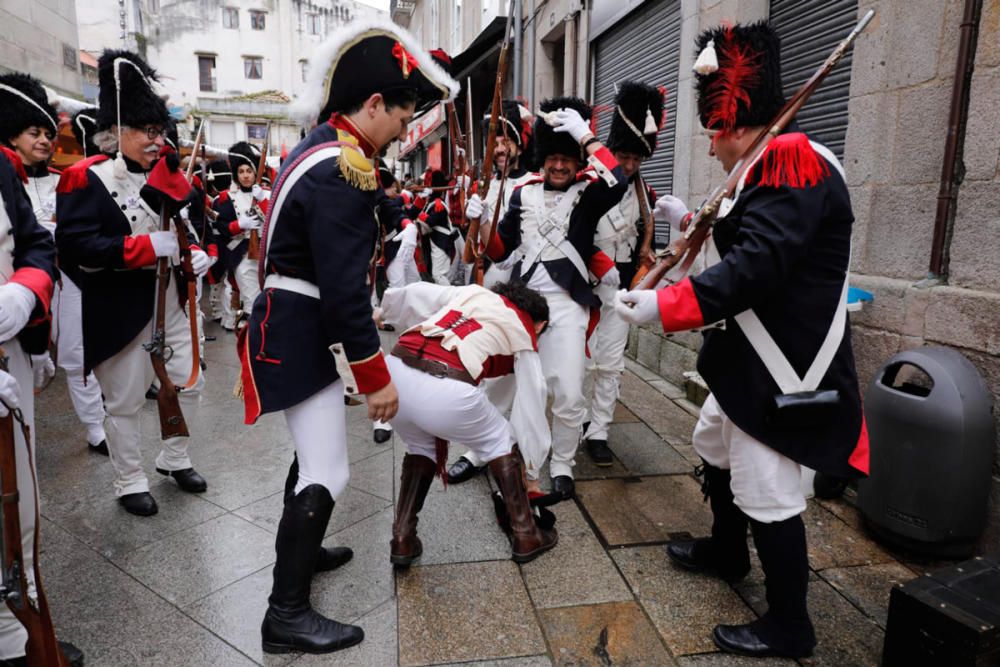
527,540
418,473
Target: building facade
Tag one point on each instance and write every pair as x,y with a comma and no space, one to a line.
237,64
40,37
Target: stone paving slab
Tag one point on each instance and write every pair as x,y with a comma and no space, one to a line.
375,475
833,543
683,606
577,571
671,422
867,587
643,452
623,415
193,563
616,633
729,660
352,506
465,611
533,661
650,509
367,581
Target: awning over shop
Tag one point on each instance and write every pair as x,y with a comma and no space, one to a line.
421,129
482,47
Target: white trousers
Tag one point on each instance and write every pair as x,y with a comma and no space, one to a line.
402,270
319,430
228,313
766,485
459,412
605,366
125,377
84,391
440,265
12,633
215,301
247,281
562,351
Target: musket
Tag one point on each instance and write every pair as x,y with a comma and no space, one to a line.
471,253
253,245
172,422
470,129
648,231
41,649
458,160
685,250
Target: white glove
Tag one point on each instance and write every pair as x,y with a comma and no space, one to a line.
200,262
10,393
164,243
671,210
259,193
611,278
426,193
637,306
462,182
43,369
185,214
570,120
474,207
16,304
248,222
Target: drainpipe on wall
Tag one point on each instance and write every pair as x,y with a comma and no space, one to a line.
952,169
569,56
517,48
530,88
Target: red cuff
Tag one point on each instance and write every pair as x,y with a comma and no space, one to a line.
495,249
234,227
371,374
138,252
679,309
194,246
406,223
600,264
422,217
264,205
605,157
213,250
40,283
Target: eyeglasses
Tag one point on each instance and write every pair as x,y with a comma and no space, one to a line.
152,131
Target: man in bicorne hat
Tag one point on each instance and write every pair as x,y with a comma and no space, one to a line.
311,338
635,122
110,236
777,275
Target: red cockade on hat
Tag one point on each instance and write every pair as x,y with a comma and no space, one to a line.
407,62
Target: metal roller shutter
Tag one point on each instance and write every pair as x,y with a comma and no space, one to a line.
809,31
644,46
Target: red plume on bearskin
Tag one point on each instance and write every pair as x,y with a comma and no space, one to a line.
737,75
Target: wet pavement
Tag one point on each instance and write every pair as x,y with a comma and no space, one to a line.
189,585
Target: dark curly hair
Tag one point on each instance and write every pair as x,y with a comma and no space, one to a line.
528,300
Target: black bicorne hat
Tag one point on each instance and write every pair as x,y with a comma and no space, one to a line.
218,175
636,119
364,58
84,126
385,176
738,76
127,96
24,103
242,153
514,123
547,140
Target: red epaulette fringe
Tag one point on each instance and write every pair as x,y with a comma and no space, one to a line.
791,160
75,177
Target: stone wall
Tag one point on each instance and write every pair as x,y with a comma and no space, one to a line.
33,37
902,74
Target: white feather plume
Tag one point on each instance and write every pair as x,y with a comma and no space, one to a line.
307,107
65,104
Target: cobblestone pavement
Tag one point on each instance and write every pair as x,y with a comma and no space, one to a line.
189,586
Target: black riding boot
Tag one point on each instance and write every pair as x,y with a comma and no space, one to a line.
726,552
329,558
785,629
290,623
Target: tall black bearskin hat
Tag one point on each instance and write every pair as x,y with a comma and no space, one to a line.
218,175
547,140
23,104
385,176
127,95
636,119
368,57
84,126
738,76
515,123
242,153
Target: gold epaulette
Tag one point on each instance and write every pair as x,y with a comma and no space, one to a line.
357,169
